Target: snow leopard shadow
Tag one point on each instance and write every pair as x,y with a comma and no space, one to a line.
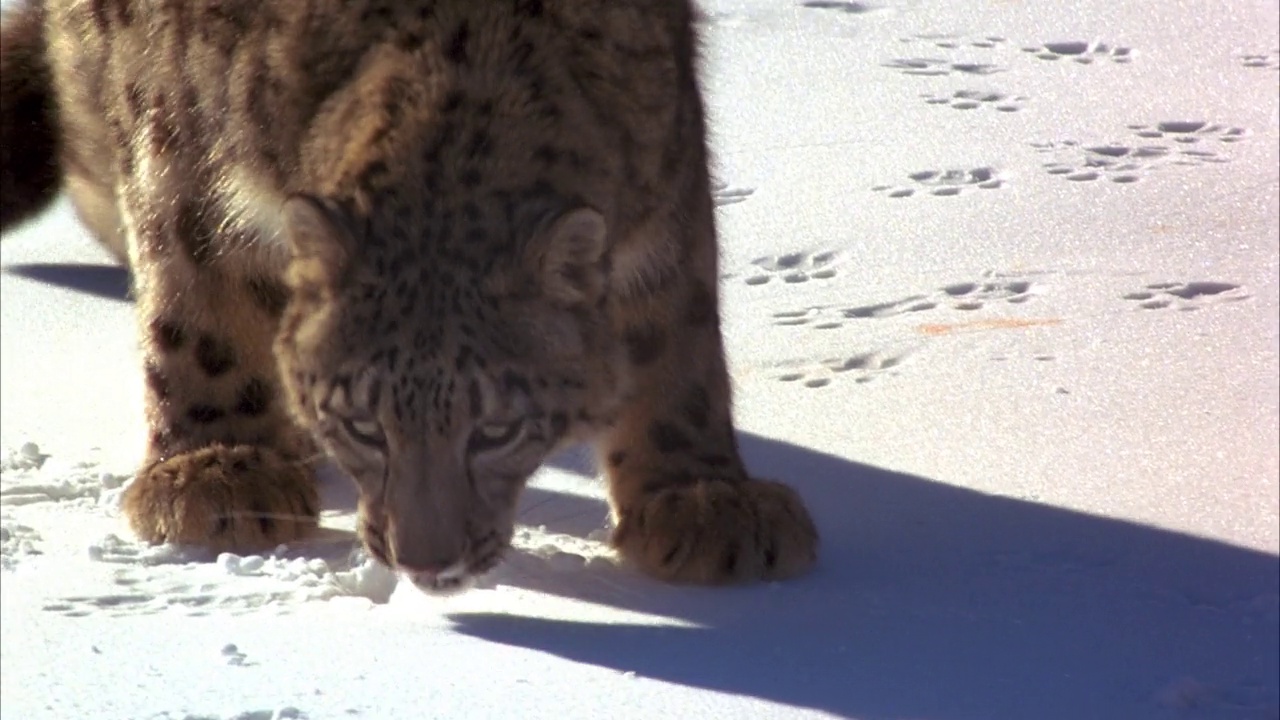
931,600
110,282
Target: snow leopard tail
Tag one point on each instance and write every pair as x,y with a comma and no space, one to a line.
30,177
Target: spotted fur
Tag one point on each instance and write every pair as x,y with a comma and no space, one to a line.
434,240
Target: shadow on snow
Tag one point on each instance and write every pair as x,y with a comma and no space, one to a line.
932,601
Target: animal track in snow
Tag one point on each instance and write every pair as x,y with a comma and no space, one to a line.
794,267
1190,132
947,41
965,296
1264,61
233,583
1085,163
974,99
1128,163
944,183
284,713
16,542
726,195
862,367
936,66
29,478
1186,296
1084,52
933,67
848,8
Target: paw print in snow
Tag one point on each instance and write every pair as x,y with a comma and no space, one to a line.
794,268
932,67
1117,163
1263,61
974,99
862,367
723,194
1186,296
955,42
964,296
1081,51
944,183
840,6
1120,162
1190,132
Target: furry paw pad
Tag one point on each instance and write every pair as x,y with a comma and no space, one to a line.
237,498
717,532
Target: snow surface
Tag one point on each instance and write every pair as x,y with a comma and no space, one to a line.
1001,288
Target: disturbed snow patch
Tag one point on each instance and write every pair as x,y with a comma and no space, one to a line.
316,580
37,493
30,481
29,476
285,713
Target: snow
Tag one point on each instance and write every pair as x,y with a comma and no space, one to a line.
1001,289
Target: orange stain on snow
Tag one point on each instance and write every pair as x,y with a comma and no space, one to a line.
980,325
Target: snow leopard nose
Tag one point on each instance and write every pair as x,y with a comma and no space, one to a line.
428,557
439,569
440,579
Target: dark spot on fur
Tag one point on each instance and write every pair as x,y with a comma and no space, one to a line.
118,135
701,310
730,563
514,382
167,336
668,438
224,525
480,146
214,356
254,398
697,407
409,40
645,343
126,161
617,457
103,9
770,557
529,8
194,233
164,132
269,295
671,554
205,414
134,99
265,522
546,154
308,508
716,460
559,423
457,48
156,381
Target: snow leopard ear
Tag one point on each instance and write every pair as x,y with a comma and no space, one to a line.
321,245
568,257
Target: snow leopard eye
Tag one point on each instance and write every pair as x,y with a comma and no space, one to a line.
494,435
366,431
